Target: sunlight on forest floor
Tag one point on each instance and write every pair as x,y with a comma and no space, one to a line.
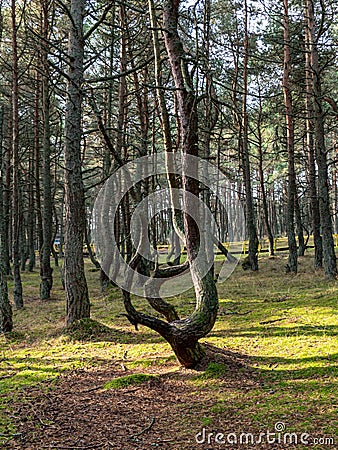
284,327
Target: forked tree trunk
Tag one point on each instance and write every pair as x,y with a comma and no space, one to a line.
183,335
292,265
77,298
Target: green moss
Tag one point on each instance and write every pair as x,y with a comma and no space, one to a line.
128,380
213,371
86,329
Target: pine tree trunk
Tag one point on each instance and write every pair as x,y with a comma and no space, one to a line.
37,162
312,182
261,179
31,215
329,256
203,319
45,267
6,165
246,166
292,265
299,223
18,299
6,322
77,298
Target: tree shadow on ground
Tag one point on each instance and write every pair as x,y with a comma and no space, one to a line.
320,330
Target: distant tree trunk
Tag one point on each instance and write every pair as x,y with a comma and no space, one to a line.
329,257
292,265
312,182
249,203
261,178
37,161
18,299
299,223
6,322
77,298
23,245
45,266
31,214
7,147
335,199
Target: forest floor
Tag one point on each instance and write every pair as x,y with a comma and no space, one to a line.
271,368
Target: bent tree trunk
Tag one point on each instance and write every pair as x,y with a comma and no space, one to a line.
77,298
183,335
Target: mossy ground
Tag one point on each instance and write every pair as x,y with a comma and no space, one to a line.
284,326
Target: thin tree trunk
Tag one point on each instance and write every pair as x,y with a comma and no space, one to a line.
6,321
261,178
31,214
77,298
329,256
37,162
291,190
312,182
246,167
45,267
18,299
299,223
6,194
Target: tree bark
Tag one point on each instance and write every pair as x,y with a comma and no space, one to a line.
261,177
6,162
329,256
77,298
292,265
312,182
246,167
299,223
6,321
31,214
47,217
18,298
